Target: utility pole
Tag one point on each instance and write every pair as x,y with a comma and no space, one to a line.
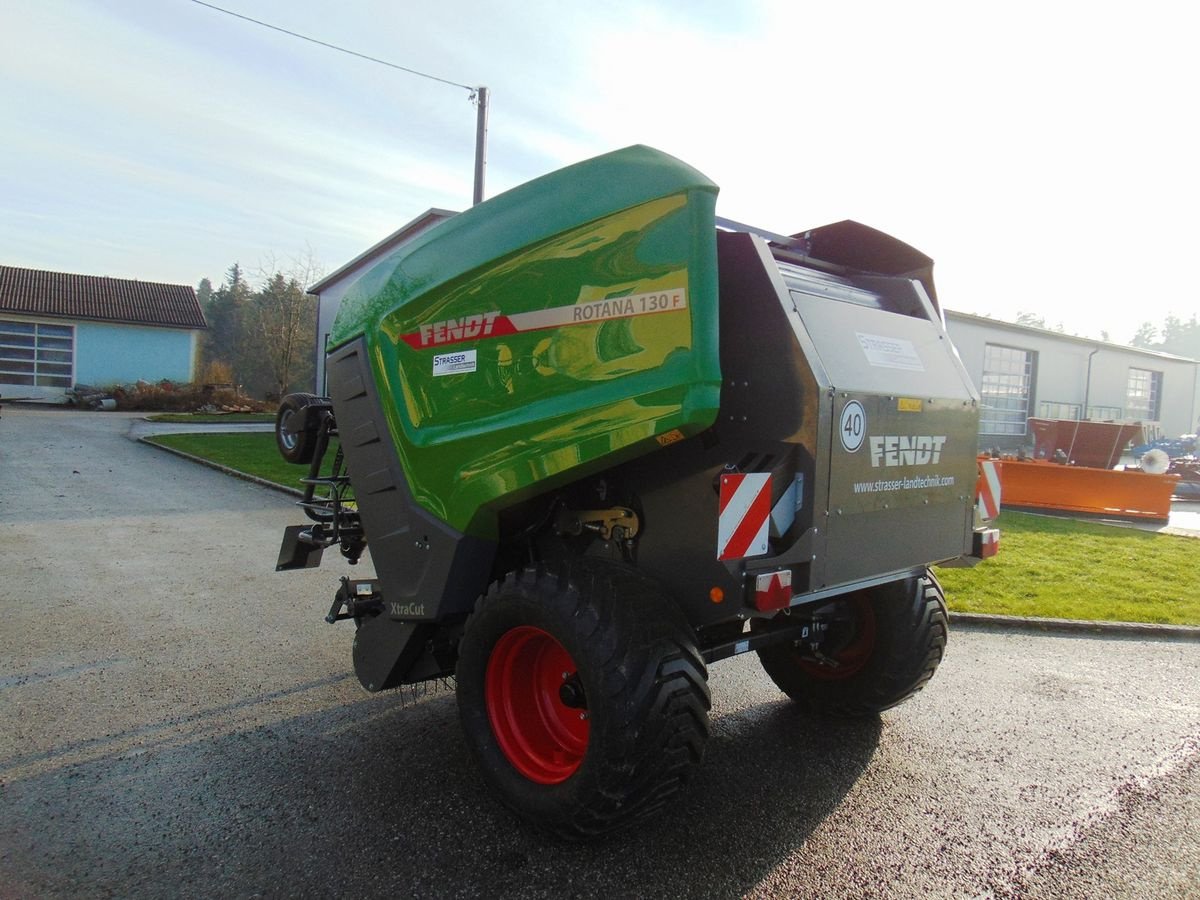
479,95
481,103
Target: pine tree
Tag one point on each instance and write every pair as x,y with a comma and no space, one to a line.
224,342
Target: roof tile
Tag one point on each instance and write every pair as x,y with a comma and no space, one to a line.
37,293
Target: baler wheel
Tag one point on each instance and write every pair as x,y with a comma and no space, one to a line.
540,725
582,696
296,446
899,637
857,653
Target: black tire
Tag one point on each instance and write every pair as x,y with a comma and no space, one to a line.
898,636
630,658
297,445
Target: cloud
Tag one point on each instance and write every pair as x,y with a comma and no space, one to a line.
1042,156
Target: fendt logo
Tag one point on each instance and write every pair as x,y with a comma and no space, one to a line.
906,450
453,330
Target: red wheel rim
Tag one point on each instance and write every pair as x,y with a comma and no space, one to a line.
854,657
543,737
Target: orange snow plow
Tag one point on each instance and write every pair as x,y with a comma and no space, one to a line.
1074,470
1041,485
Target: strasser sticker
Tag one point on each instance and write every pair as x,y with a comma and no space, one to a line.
460,363
852,427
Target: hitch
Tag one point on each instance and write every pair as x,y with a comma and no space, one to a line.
329,503
358,597
807,633
617,522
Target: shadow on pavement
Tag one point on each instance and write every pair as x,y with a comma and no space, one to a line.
376,799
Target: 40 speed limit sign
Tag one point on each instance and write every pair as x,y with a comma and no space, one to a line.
853,426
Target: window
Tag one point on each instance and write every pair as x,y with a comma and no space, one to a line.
1005,389
1145,395
35,354
1050,410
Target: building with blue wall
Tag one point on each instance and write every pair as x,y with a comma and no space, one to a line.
58,330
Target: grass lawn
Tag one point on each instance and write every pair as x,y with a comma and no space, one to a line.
1058,568
253,453
1062,568
211,418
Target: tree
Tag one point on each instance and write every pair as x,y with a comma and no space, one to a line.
1033,320
282,322
1172,329
204,292
1178,337
1182,338
1145,336
263,338
223,312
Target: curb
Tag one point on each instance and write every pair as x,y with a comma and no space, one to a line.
1084,627
226,470
968,620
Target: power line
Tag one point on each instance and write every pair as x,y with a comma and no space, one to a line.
479,95
312,40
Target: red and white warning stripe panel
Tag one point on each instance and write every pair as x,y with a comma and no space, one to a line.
987,489
745,515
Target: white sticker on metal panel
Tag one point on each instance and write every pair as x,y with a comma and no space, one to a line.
890,353
459,363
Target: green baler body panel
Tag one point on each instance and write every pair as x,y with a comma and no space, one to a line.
560,328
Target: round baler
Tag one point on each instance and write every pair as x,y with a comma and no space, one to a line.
598,439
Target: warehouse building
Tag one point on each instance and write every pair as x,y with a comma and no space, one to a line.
1021,372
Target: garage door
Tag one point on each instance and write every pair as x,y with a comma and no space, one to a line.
36,355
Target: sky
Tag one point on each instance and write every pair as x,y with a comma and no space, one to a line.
1041,153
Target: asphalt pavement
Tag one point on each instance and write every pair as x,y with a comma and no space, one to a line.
177,720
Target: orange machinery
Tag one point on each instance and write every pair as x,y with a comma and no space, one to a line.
1085,481
1037,484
